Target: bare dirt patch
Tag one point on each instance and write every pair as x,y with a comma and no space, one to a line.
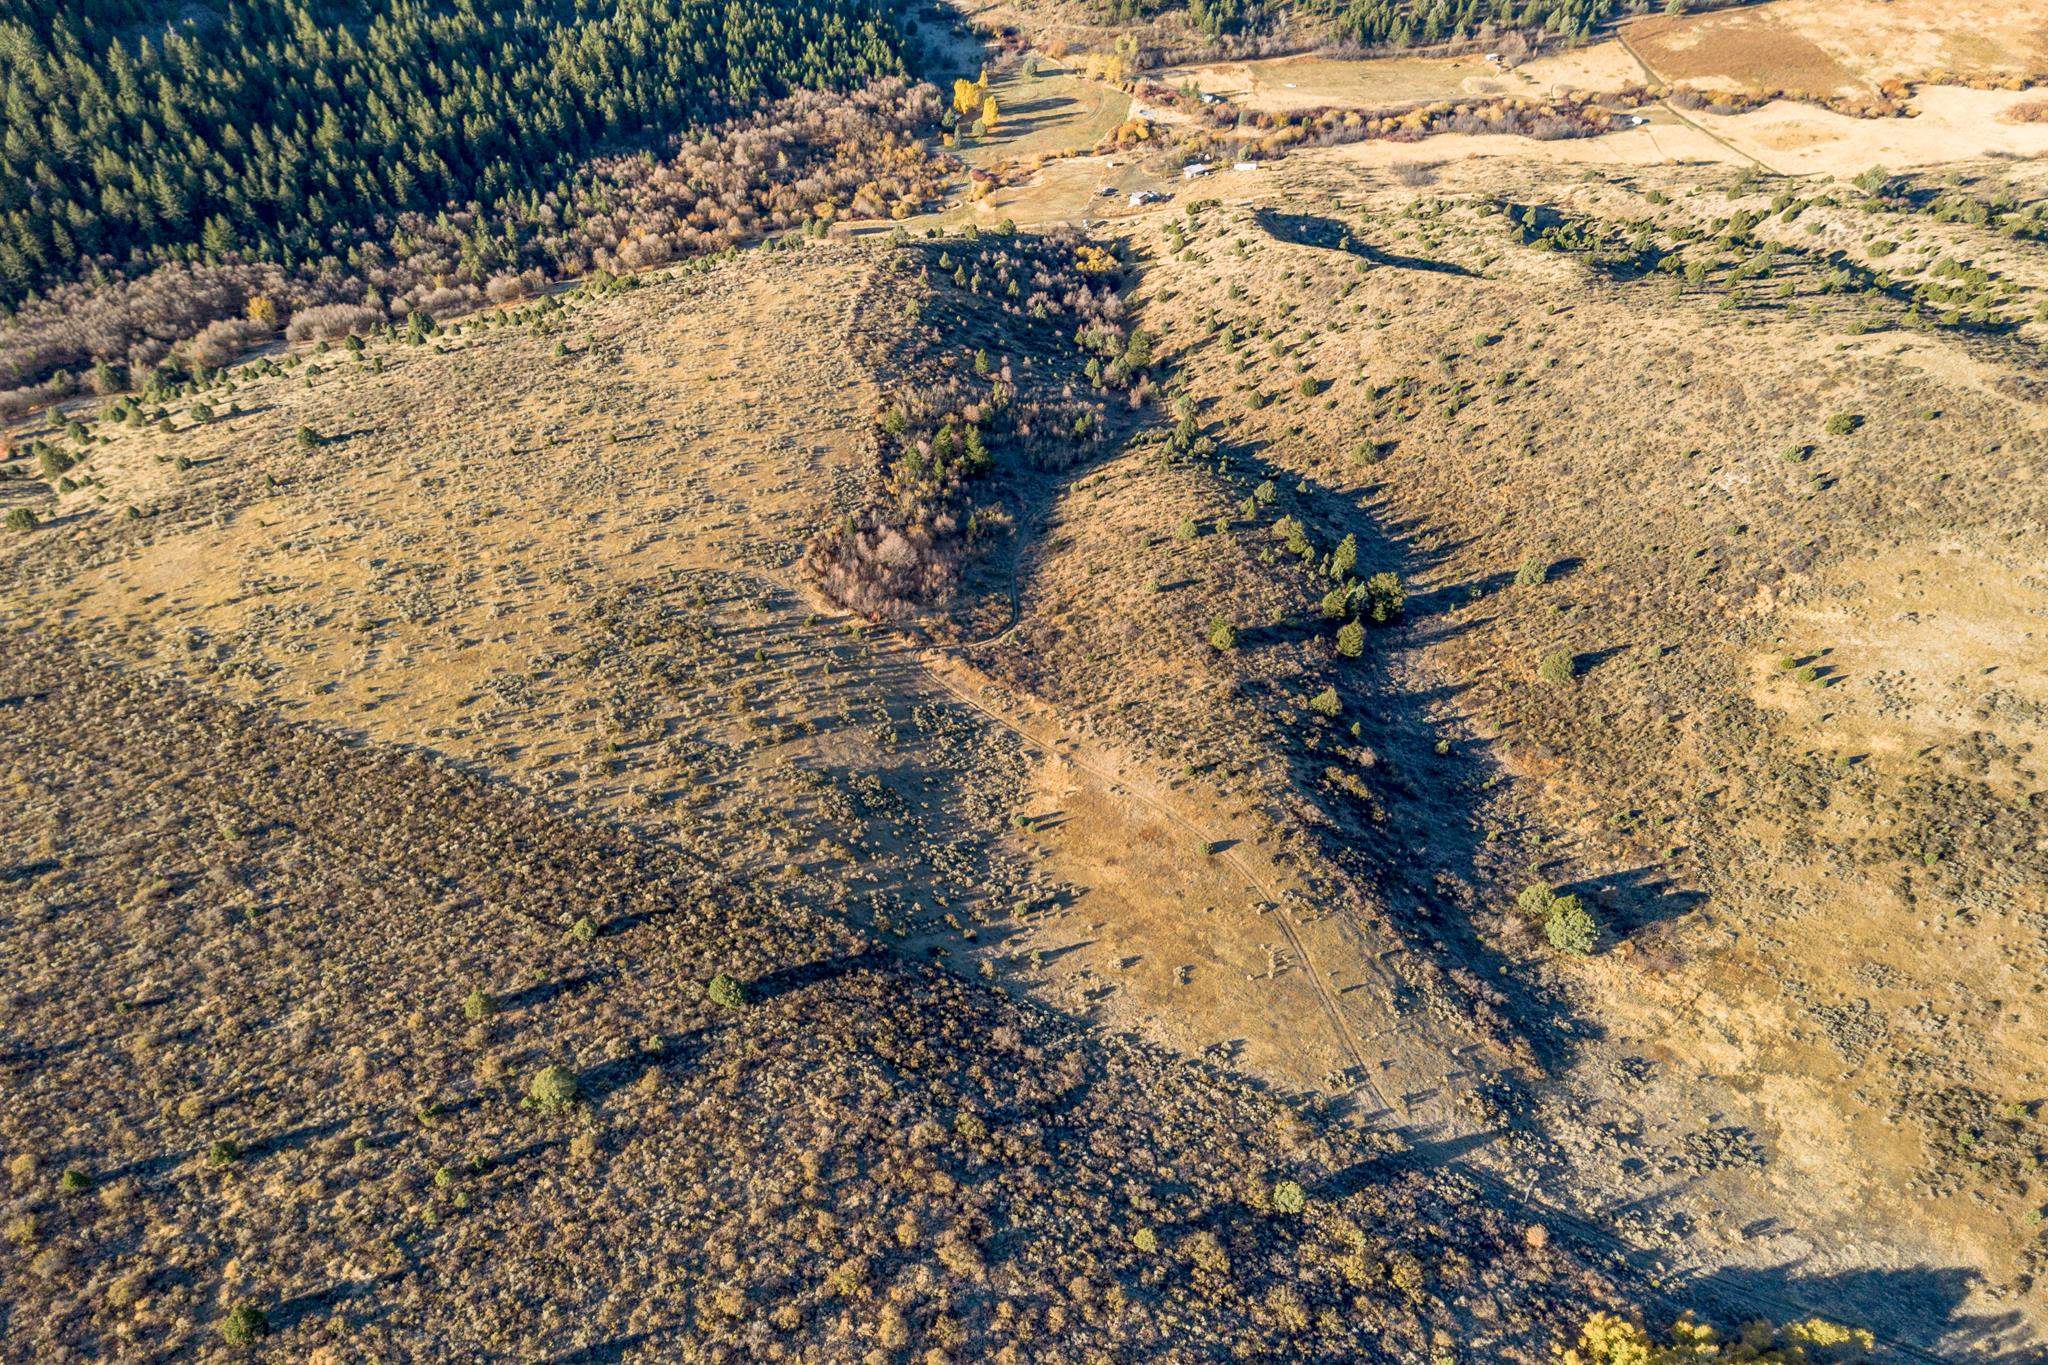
1310,82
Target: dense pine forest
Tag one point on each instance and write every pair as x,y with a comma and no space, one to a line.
1402,23
281,129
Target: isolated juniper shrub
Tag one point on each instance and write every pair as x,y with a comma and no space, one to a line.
552,1090
1289,1197
1344,558
21,519
1351,640
1558,666
1532,573
1566,922
1326,703
244,1325
1290,532
725,991
1222,634
478,1006
1570,927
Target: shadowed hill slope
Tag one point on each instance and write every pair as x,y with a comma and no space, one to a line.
288,1039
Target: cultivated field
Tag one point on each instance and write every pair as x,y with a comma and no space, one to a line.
1845,47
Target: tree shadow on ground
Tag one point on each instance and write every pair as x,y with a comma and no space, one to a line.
1425,823
1923,1307
1639,898
1328,234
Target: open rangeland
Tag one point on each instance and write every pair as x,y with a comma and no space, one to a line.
1371,717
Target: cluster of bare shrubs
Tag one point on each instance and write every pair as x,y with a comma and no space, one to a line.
1241,133
1569,116
808,159
217,343
998,359
333,321
1893,98
125,327
815,156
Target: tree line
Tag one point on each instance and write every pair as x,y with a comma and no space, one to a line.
284,129
1402,23
1407,23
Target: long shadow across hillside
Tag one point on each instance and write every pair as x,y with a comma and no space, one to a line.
1307,229
1417,855
1413,860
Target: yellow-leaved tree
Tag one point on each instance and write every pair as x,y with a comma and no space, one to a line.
1606,1339
968,95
